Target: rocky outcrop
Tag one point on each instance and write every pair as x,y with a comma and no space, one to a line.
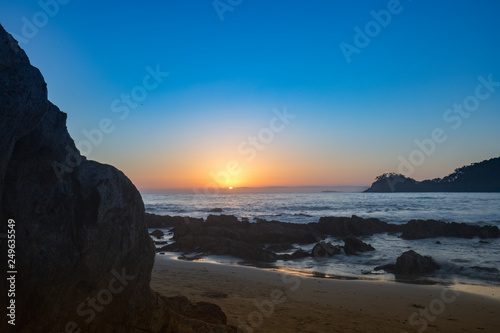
478,177
83,253
221,246
324,250
354,245
353,226
166,221
225,234
419,229
299,254
410,263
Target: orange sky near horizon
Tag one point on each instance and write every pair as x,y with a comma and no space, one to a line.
194,172
281,100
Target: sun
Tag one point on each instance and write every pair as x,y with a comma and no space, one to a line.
230,187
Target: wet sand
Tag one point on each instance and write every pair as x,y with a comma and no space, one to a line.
259,300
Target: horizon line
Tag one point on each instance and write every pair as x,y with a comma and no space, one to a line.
250,189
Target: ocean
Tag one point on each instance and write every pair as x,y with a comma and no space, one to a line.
462,261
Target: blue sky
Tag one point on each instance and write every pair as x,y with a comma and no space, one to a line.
354,120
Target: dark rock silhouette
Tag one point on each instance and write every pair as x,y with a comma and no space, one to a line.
352,226
280,247
221,246
79,224
411,263
157,233
225,234
419,229
166,221
299,254
353,245
477,177
325,249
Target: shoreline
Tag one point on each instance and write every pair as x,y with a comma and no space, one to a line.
484,289
298,246
261,300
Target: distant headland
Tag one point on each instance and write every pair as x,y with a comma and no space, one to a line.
476,177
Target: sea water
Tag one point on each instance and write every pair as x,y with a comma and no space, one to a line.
470,261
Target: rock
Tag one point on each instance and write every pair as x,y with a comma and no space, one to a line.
325,249
388,268
280,247
79,224
216,210
411,263
438,242
353,245
221,246
419,229
166,221
299,254
353,226
157,233
222,220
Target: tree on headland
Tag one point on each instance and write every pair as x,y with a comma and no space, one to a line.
476,177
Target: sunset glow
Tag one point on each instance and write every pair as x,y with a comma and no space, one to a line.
270,105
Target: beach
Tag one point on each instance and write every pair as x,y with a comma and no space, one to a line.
257,300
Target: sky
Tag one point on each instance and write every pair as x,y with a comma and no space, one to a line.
205,94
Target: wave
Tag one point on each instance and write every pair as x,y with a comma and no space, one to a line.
476,272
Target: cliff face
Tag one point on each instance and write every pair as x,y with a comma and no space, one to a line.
83,255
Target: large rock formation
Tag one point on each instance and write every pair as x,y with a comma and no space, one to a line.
478,177
83,255
226,235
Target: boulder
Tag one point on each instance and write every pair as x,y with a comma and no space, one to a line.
325,249
79,224
353,245
410,263
299,254
157,233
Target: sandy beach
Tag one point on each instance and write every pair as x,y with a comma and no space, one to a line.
270,301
